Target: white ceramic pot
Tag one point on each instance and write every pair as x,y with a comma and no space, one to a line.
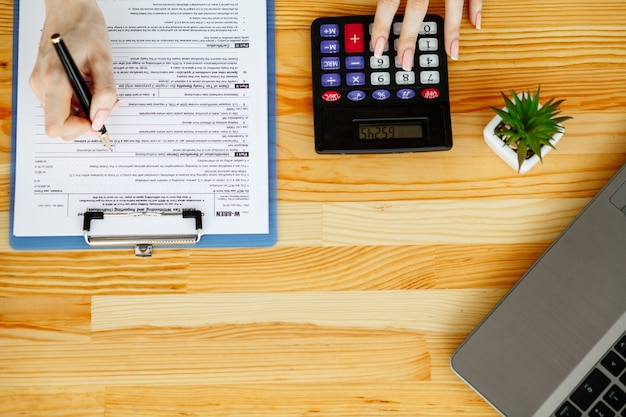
507,154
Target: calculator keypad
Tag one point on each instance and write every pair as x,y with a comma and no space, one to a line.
383,75
370,104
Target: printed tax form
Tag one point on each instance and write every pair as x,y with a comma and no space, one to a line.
191,131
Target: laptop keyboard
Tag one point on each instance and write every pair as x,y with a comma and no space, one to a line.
603,392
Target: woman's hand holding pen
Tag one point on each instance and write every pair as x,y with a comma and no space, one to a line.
83,27
413,17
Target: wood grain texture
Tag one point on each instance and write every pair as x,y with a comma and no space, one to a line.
384,263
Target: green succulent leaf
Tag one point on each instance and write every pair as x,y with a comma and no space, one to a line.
528,125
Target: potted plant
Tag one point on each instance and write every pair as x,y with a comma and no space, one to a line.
523,131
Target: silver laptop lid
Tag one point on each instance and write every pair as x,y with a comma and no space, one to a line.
570,301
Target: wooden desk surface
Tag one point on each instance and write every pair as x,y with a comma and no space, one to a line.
383,265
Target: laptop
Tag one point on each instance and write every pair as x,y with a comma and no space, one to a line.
555,345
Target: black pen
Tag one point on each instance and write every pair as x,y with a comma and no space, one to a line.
78,83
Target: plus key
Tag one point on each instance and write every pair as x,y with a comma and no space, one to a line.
353,38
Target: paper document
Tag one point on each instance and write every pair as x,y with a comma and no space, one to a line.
191,131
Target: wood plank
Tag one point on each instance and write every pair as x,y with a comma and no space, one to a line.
421,310
267,355
370,268
394,398
395,178
41,318
47,401
93,272
448,221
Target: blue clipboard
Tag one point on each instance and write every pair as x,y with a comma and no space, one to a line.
144,248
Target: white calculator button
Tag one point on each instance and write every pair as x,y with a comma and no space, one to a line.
428,44
429,77
428,28
405,78
380,78
429,60
395,44
379,63
386,49
397,26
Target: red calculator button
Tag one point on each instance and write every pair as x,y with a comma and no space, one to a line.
430,93
353,38
331,96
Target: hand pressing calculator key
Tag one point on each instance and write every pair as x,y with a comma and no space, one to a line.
368,104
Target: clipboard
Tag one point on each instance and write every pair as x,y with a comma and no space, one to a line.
190,226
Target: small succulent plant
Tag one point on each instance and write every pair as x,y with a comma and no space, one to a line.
527,125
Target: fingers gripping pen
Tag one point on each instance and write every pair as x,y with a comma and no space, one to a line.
78,83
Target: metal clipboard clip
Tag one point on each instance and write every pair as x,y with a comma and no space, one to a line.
143,243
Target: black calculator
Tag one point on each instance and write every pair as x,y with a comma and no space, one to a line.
368,104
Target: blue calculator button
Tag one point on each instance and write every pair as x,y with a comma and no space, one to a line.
381,94
355,62
356,95
355,78
329,30
329,47
406,94
331,80
331,63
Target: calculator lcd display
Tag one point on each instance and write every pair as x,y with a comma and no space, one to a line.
391,131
